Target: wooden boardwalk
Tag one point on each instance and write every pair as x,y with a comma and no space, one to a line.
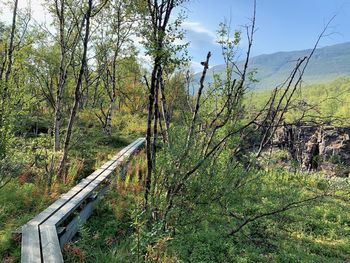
43,236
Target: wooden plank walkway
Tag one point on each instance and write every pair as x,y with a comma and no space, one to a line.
40,240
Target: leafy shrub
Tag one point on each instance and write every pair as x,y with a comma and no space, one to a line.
129,124
9,168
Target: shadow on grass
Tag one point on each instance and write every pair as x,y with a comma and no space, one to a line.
114,141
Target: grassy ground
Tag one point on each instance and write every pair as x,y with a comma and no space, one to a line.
18,203
110,234
319,232
26,195
316,233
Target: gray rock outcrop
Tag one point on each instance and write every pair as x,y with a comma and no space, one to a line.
317,148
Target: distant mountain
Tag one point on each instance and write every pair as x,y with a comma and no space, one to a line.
327,64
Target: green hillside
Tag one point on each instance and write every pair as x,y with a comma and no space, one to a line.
327,64
329,102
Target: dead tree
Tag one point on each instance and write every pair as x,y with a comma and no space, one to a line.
282,104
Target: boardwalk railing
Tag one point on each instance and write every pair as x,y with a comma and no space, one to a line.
45,235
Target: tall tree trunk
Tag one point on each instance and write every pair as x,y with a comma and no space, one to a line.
108,128
11,45
160,14
77,95
165,112
113,93
58,119
4,85
149,156
62,76
155,124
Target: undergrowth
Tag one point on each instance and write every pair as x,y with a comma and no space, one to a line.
28,192
316,232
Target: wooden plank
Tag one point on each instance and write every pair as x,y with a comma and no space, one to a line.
30,247
64,198
123,151
50,245
107,164
78,199
43,226
48,211
70,206
73,227
136,144
90,178
115,165
71,193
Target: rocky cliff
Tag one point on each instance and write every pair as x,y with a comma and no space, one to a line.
317,148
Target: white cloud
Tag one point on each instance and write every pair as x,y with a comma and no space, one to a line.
198,28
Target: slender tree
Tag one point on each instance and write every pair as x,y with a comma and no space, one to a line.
112,44
60,9
78,85
6,68
160,49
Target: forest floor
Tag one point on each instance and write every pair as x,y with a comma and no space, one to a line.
27,195
319,232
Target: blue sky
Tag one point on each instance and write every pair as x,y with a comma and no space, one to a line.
283,25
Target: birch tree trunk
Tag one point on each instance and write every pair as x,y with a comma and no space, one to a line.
11,46
77,94
60,11
108,128
4,84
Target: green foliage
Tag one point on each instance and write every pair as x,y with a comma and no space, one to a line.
214,203
9,169
299,235
117,237
19,201
165,44
324,103
129,124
